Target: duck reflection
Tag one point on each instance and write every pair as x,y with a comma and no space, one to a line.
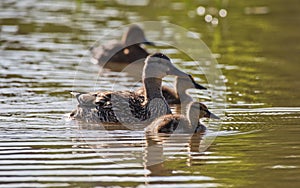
126,147
154,155
183,133
159,148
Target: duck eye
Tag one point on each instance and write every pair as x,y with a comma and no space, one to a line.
126,51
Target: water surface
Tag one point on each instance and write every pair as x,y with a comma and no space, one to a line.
44,55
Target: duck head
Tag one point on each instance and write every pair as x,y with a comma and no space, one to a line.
159,65
200,110
135,35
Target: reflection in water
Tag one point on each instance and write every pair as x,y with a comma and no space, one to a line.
156,150
122,147
154,156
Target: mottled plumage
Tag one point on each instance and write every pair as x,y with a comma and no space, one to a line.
128,107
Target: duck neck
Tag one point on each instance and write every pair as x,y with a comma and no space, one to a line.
193,112
154,99
153,88
185,100
181,90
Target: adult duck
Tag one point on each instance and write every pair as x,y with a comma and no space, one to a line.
126,51
127,106
188,123
179,94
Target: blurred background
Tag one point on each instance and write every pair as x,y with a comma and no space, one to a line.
44,46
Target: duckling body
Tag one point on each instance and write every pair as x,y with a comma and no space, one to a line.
127,50
167,123
130,107
188,123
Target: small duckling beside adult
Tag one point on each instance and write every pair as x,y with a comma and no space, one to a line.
191,112
130,107
187,123
123,52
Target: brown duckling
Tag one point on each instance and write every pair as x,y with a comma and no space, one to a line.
188,123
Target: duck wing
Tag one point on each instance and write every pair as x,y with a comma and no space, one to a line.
124,106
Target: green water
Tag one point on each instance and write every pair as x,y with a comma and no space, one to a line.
44,46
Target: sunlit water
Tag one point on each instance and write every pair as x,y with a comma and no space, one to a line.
44,55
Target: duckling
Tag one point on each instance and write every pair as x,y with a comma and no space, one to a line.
127,50
128,106
188,123
177,95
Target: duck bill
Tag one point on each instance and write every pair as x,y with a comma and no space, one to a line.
176,72
196,85
211,115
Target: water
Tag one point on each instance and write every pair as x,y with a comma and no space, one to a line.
44,56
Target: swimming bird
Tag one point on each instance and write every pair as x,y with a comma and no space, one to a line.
128,106
127,50
178,95
188,123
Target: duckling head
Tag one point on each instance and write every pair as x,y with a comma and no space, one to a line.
204,112
159,65
197,109
135,35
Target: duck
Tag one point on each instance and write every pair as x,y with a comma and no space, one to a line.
188,123
179,94
126,51
130,107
